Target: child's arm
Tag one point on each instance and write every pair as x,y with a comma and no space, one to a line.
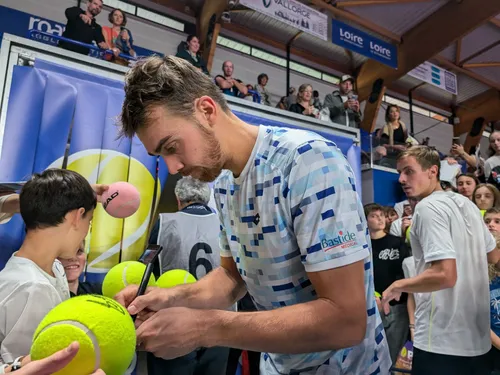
410,304
495,340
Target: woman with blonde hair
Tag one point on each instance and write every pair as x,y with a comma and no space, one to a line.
303,104
486,196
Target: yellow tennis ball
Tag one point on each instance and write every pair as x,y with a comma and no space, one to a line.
103,328
482,212
175,277
408,236
122,275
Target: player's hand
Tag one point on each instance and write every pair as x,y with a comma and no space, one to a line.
52,364
390,294
153,300
379,304
171,333
99,190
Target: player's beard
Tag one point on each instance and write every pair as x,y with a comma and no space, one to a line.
213,156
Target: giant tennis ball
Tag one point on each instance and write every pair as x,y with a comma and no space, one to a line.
103,328
121,200
122,275
175,277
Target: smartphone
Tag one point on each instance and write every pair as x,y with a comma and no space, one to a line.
455,141
353,97
149,258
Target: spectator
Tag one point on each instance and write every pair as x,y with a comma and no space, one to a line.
390,216
486,196
249,95
74,267
492,221
303,105
458,151
493,357
466,183
262,81
394,134
82,27
190,51
343,104
193,231
388,253
492,164
229,85
291,98
118,38
316,100
282,103
57,207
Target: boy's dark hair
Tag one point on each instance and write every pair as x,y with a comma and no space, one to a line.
49,196
372,207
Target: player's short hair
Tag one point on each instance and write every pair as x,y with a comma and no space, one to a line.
189,189
169,82
426,157
48,196
372,207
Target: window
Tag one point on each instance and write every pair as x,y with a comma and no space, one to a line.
158,18
275,59
117,4
232,44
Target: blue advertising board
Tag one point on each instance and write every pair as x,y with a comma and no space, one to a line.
15,22
365,44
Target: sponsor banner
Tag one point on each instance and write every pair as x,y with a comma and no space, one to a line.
436,76
293,13
19,23
365,44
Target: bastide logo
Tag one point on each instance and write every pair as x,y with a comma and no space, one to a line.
267,3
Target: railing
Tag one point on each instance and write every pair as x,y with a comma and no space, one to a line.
35,35
255,96
376,151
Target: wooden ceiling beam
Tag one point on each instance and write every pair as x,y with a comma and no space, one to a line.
492,64
344,14
445,63
208,28
480,52
486,104
458,52
449,23
265,39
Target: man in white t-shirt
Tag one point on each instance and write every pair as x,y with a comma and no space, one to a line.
56,206
451,246
9,205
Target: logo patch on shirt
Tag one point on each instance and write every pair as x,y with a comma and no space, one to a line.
344,240
389,254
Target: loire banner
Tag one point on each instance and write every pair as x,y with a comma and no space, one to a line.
365,44
293,13
436,76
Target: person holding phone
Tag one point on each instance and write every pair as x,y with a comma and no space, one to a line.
343,104
118,37
293,234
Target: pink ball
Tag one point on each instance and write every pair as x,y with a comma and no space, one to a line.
121,200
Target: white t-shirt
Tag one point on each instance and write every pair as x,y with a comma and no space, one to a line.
454,321
491,163
27,294
4,217
396,227
400,206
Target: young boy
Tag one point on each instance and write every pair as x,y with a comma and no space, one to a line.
388,254
57,207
